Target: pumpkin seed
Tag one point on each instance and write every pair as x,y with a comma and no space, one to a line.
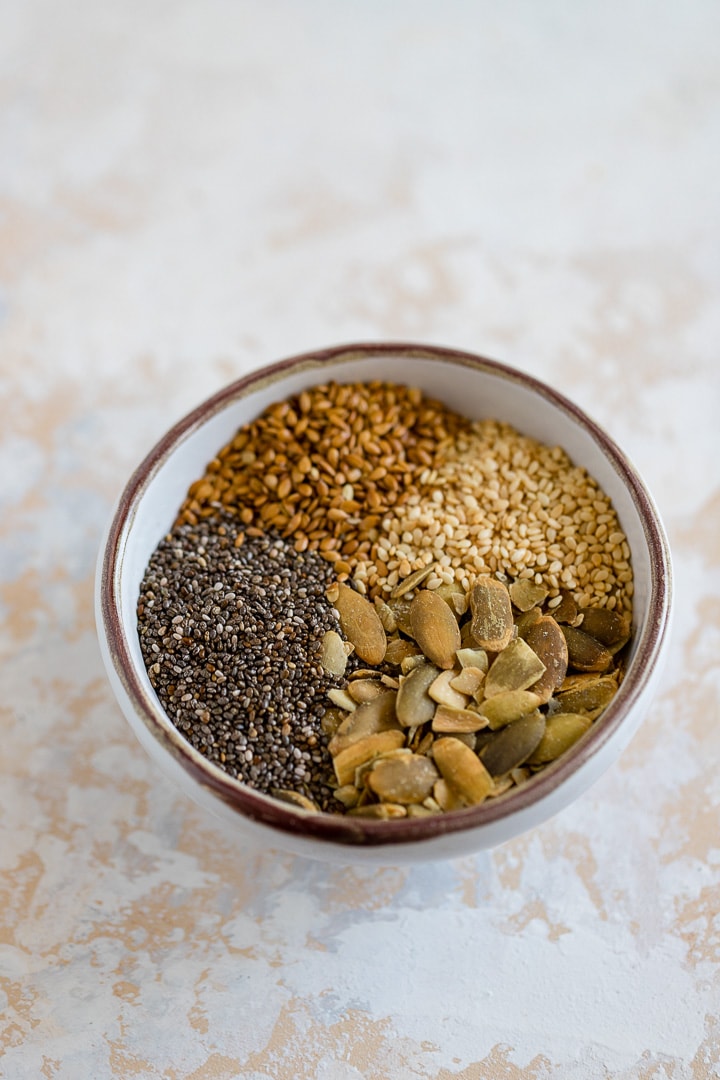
367,719
409,583
398,649
501,785
424,743
508,707
435,628
585,653
526,621
360,623
515,668
513,745
363,771
593,692
411,662
442,692
467,738
446,797
420,811
295,798
468,681
409,779
382,811
525,594
476,658
447,719
462,770
547,641
331,721
564,608
342,699
492,620
400,608
386,616
561,732
364,690
346,762
454,596
333,657
348,795
414,706
610,628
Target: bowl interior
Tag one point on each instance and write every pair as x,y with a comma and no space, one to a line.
479,389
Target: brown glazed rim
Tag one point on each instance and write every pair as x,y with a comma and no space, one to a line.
340,829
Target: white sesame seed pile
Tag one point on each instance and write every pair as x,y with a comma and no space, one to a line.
497,501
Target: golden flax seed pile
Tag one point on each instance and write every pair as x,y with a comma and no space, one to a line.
384,481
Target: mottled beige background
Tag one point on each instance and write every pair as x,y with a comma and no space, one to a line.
189,190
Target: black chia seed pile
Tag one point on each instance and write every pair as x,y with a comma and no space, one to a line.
230,637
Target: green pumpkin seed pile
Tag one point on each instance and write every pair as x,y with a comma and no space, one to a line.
462,696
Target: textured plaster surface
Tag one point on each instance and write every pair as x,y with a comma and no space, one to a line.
188,191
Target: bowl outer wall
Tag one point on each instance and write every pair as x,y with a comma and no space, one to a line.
477,387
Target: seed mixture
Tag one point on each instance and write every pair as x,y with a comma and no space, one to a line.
370,604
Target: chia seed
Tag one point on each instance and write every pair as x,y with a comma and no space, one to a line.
230,637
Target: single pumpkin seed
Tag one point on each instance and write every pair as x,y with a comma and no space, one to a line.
364,673
414,705
333,657
331,721
595,692
515,668
454,596
547,641
525,594
380,811
411,662
492,620
368,719
386,616
561,732
363,690
442,692
435,628
342,699
424,743
610,628
409,779
585,653
447,719
508,707
468,681
348,795
296,799
398,649
566,609
411,582
400,608
347,761
363,771
526,621
360,623
463,770
467,738
446,797
420,811
513,745
501,785
476,658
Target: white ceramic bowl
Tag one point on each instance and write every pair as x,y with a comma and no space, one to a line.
478,388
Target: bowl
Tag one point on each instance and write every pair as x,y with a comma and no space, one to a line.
478,388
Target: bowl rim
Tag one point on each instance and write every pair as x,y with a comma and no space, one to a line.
341,829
